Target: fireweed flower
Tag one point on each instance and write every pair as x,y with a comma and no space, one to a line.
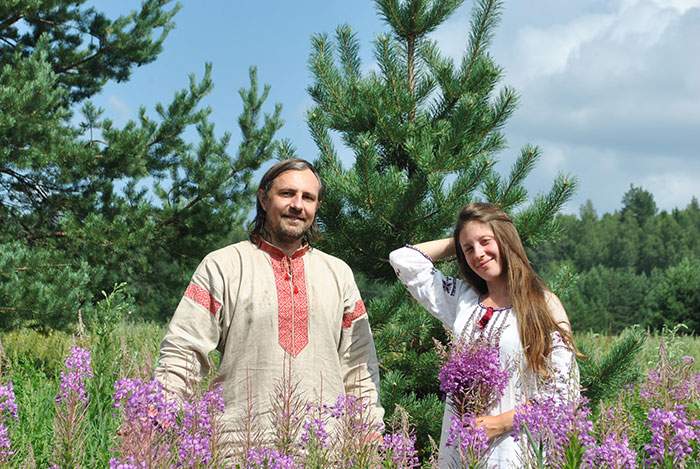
471,441
8,413
671,381
349,410
197,427
129,463
268,458
552,423
472,375
147,403
148,424
612,453
401,450
78,367
314,432
672,436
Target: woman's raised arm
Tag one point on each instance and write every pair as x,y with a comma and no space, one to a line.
437,249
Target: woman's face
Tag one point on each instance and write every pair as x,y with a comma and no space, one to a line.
481,251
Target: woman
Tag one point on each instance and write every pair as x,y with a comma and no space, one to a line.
502,296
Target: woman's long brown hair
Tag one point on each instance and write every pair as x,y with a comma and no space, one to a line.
525,288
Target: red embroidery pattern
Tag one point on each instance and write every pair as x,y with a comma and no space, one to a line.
203,297
348,318
292,303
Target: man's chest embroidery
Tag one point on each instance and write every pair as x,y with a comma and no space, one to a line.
293,310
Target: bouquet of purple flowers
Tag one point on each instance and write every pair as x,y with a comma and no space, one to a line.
474,379
472,375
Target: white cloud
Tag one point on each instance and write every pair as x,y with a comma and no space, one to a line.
119,111
546,51
617,37
672,188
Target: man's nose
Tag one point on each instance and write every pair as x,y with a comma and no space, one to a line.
296,202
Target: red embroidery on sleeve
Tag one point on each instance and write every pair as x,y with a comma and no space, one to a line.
203,297
348,318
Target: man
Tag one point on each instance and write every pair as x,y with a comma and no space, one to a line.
271,303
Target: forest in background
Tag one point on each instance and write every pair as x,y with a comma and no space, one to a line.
637,265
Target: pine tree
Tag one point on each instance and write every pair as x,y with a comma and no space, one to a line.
84,207
425,133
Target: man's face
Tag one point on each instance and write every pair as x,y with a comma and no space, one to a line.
290,206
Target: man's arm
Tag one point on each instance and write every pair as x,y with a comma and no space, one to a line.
357,354
193,332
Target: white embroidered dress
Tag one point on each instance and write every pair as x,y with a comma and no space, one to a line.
457,305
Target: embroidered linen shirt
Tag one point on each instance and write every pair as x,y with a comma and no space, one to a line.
261,309
457,305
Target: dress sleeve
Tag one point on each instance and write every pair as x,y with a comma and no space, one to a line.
438,293
193,332
358,357
564,382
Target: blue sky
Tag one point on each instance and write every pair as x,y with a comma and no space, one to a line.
609,89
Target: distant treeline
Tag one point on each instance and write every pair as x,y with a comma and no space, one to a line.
634,266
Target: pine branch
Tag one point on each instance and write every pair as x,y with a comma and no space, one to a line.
522,167
388,60
603,378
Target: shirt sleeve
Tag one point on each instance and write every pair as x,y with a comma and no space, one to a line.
193,332
564,381
358,356
438,293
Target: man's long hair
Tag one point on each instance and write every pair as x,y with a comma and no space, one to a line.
525,288
257,226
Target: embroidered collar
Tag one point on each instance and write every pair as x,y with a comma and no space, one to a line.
277,252
489,312
483,306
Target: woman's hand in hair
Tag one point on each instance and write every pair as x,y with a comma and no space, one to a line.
438,248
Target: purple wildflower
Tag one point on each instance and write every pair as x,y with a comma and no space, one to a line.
611,453
346,406
672,434
401,450
128,463
471,441
472,376
8,414
78,367
268,458
671,382
145,403
315,431
552,423
148,428
197,428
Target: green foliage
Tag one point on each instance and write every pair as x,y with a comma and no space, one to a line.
638,203
603,376
675,297
404,336
635,266
39,290
86,206
607,300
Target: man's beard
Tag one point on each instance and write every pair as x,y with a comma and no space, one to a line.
290,234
